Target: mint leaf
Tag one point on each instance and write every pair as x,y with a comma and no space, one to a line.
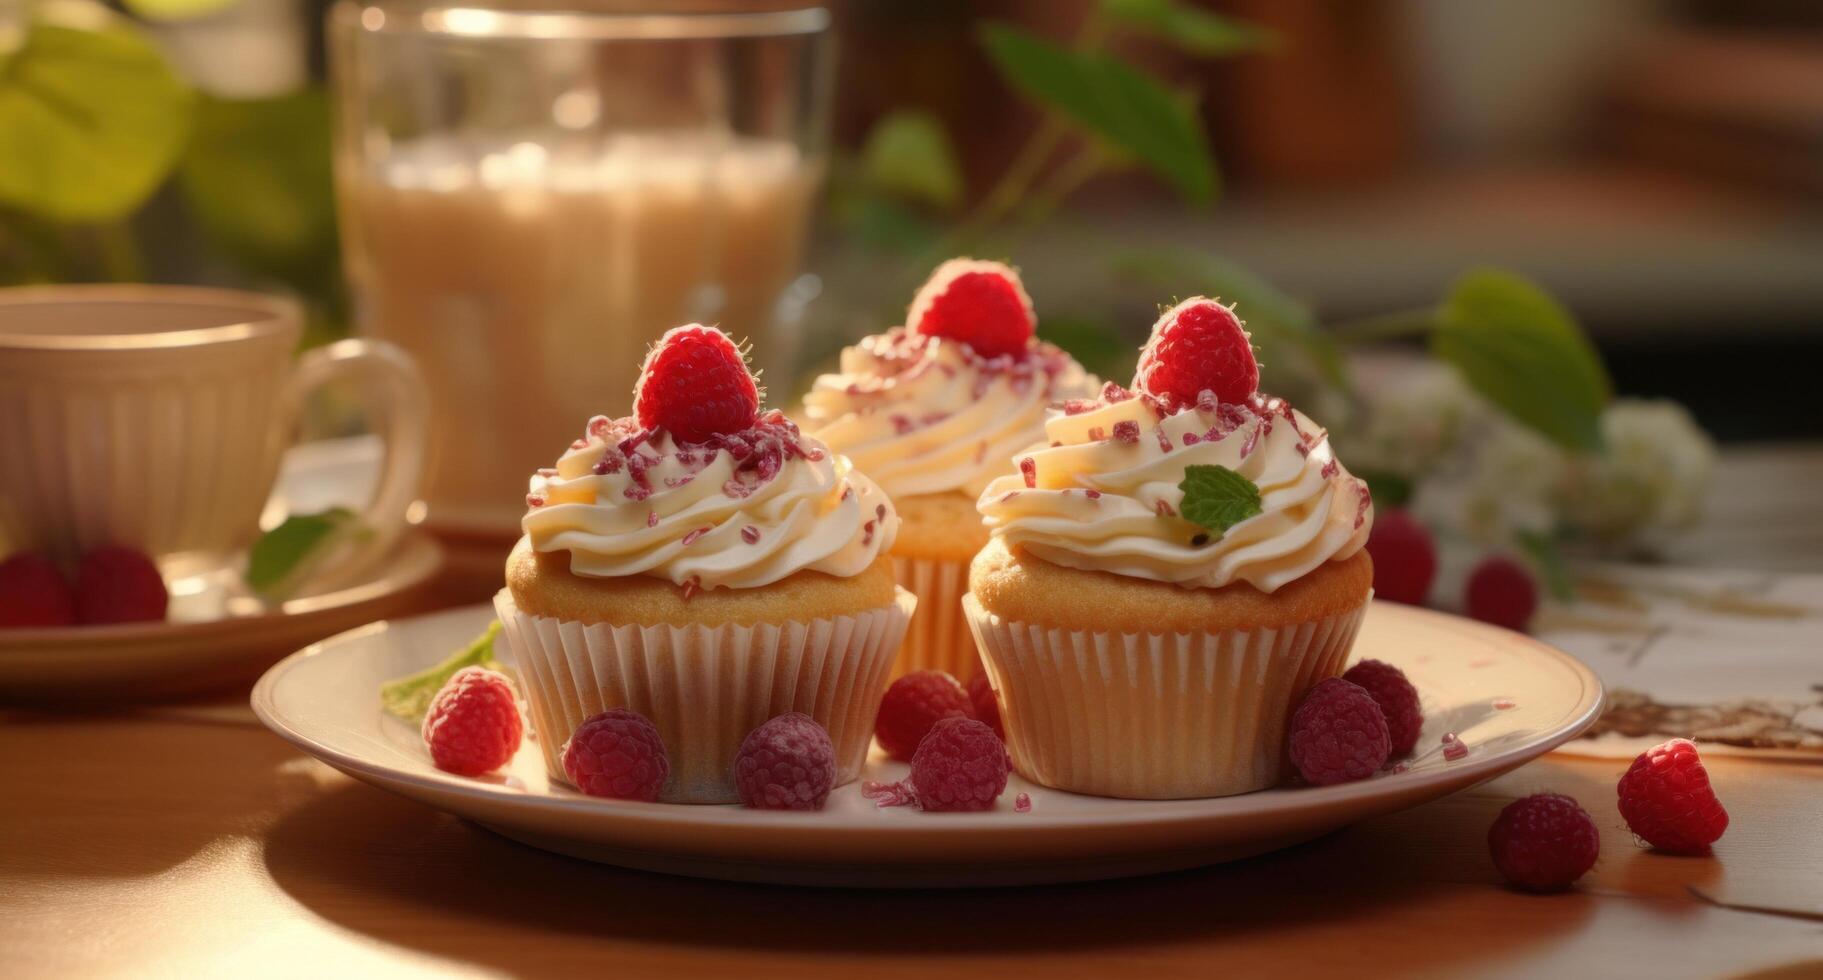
284,556
1522,351
409,697
1119,105
1217,497
1189,28
908,155
1543,550
92,118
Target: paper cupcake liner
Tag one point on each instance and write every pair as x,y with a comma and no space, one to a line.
939,636
1154,716
707,687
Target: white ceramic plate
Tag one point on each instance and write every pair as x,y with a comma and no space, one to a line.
217,638
325,700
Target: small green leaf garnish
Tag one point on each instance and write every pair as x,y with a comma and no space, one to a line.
409,697
1217,497
284,556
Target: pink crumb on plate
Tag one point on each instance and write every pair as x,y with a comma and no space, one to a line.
1505,704
1022,803
888,794
1453,748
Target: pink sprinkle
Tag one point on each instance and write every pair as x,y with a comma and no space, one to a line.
547,471
888,794
1165,509
692,586
652,518
1505,704
534,500
901,424
750,534
690,539
867,533
1190,438
880,512
1009,495
579,444
1401,767
1028,467
1454,751
1022,803
1164,441
1330,469
1077,406
1127,432
848,490
1092,494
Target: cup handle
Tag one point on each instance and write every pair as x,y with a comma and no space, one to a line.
397,405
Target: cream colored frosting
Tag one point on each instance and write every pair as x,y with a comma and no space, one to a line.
928,415
1105,494
740,513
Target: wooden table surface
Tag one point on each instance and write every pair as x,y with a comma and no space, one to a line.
188,841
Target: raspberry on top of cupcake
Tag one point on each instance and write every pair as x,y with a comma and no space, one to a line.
702,488
1193,477
940,404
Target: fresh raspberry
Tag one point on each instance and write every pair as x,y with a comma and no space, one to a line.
1338,734
1543,843
1405,559
1667,801
1501,591
982,304
960,765
1397,698
1196,346
788,763
33,593
986,705
695,384
617,754
119,585
473,725
912,705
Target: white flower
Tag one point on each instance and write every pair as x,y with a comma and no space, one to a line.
1653,477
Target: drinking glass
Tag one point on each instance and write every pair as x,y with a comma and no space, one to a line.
529,199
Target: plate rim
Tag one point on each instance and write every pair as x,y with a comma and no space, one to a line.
1148,813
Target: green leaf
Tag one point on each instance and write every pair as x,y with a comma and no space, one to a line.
409,697
1217,497
1543,550
1190,28
91,118
1522,351
1128,110
284,556
908,155
1095,344
176,10
257,178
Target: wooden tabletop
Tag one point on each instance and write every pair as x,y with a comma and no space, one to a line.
191,842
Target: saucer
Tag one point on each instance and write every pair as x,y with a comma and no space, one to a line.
1507,697
217,638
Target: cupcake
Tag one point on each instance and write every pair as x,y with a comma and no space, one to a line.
934,410
1169,572
708,566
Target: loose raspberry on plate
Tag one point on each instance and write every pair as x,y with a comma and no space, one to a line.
695,384
1405,559
986,705
119,585
1397,698
983,304
1196,346
1667,801
788,763
912,705
1338,734
617,754
473,724
960,765
1501,591
1543,843
33,593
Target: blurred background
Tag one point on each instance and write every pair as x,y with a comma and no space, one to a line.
1647,171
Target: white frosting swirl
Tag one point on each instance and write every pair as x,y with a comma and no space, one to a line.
1105,495
737,512
928,415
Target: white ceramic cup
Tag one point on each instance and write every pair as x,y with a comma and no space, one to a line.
154,417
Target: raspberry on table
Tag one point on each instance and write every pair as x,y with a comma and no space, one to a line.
473,724
1397,698
617,754
1502,592
986,705
1196,346
1667,801
34,593
1338,734
695,384
1405,558
912,705
1543,843
961,765
788,763
980,303
119,585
